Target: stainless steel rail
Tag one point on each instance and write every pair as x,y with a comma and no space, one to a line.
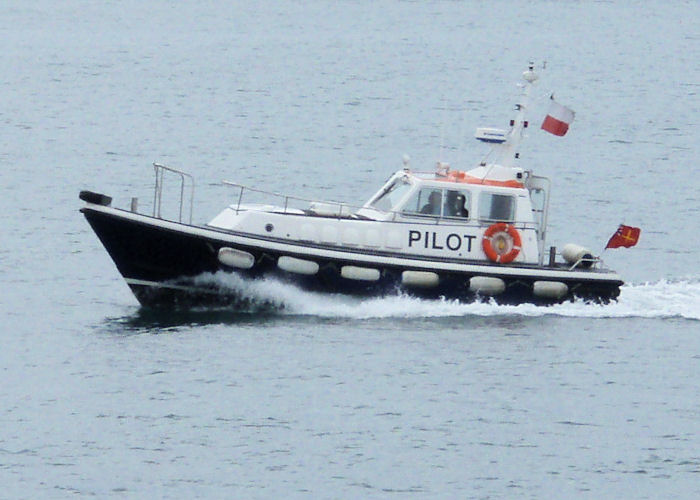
160,171
342,207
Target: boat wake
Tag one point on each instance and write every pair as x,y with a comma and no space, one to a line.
662,299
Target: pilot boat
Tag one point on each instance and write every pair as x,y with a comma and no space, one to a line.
468,235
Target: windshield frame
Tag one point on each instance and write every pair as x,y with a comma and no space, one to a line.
393,192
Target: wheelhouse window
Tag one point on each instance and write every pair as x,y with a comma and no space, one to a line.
456,204
497,207
438,202
390,197
425,201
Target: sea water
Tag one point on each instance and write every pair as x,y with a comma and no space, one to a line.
317,396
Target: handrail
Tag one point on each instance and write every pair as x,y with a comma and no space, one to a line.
287,198
158,191
592,260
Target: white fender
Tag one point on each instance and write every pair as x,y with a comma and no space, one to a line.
236,258
422,279
486,285
359,273
298,266
550,289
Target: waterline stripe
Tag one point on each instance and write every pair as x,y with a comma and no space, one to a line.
158,284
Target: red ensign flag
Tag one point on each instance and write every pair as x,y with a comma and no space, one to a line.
625,236
558,119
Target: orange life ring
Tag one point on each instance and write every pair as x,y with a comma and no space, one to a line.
501,242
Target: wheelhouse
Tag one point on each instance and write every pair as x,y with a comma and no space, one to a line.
459,198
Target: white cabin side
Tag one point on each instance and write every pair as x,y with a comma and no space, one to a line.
401,219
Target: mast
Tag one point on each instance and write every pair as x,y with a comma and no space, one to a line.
508,151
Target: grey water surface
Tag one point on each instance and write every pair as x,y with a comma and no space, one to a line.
332,397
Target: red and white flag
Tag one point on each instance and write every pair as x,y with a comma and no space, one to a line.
558,119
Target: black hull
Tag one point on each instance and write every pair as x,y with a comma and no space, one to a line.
162,265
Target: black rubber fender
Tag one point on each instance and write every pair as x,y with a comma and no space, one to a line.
96,198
